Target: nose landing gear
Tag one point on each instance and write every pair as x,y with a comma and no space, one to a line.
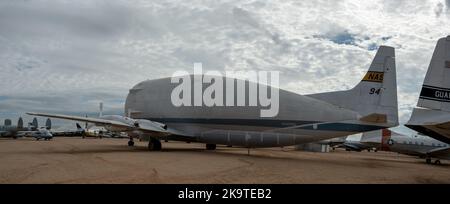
131,142
154,145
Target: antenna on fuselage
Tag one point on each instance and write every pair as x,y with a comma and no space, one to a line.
101,110
86,123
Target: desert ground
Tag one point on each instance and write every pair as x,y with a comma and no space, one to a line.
93,160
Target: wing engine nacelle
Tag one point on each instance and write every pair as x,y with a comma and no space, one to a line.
148,123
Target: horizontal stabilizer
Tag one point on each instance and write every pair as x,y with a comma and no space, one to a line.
375,118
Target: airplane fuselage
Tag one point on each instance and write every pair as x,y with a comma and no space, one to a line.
417,146
301,119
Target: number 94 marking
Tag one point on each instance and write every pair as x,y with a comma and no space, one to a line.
375,91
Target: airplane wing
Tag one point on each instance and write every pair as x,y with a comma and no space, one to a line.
25,133
145,126
443,152
151,126
96,121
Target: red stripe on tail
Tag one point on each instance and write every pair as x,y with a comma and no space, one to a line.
385,136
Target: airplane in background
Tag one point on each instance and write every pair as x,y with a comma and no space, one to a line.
33,130
90,130
40,133
334,142
370,105
69,133
419,145
101,132
369,141
8,130
432,115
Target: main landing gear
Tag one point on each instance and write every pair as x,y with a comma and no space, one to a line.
210,146
154,144
437,162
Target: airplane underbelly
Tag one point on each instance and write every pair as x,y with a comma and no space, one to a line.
245,136
116,129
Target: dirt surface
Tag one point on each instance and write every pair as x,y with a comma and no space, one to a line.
76,160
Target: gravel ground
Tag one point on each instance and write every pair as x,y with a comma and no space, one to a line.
76,160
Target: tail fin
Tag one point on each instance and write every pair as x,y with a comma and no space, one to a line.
378,138
48,124
376,94
20,123
79,127
34,124
435,92
375,136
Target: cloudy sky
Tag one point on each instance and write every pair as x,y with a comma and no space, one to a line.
67,56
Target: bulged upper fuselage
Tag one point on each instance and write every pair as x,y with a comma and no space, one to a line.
299,119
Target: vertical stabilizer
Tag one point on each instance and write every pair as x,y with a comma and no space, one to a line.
20,123
34,124
435,93
48,124
375,95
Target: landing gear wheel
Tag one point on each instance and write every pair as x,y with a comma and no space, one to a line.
154,145
130,143
437,162
210,146
428,160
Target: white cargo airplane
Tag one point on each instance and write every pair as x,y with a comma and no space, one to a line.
432,117
387,140
371,105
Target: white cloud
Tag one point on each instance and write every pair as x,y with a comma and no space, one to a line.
68,55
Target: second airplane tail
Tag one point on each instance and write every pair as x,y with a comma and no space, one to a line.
375,97
432,116
435,92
